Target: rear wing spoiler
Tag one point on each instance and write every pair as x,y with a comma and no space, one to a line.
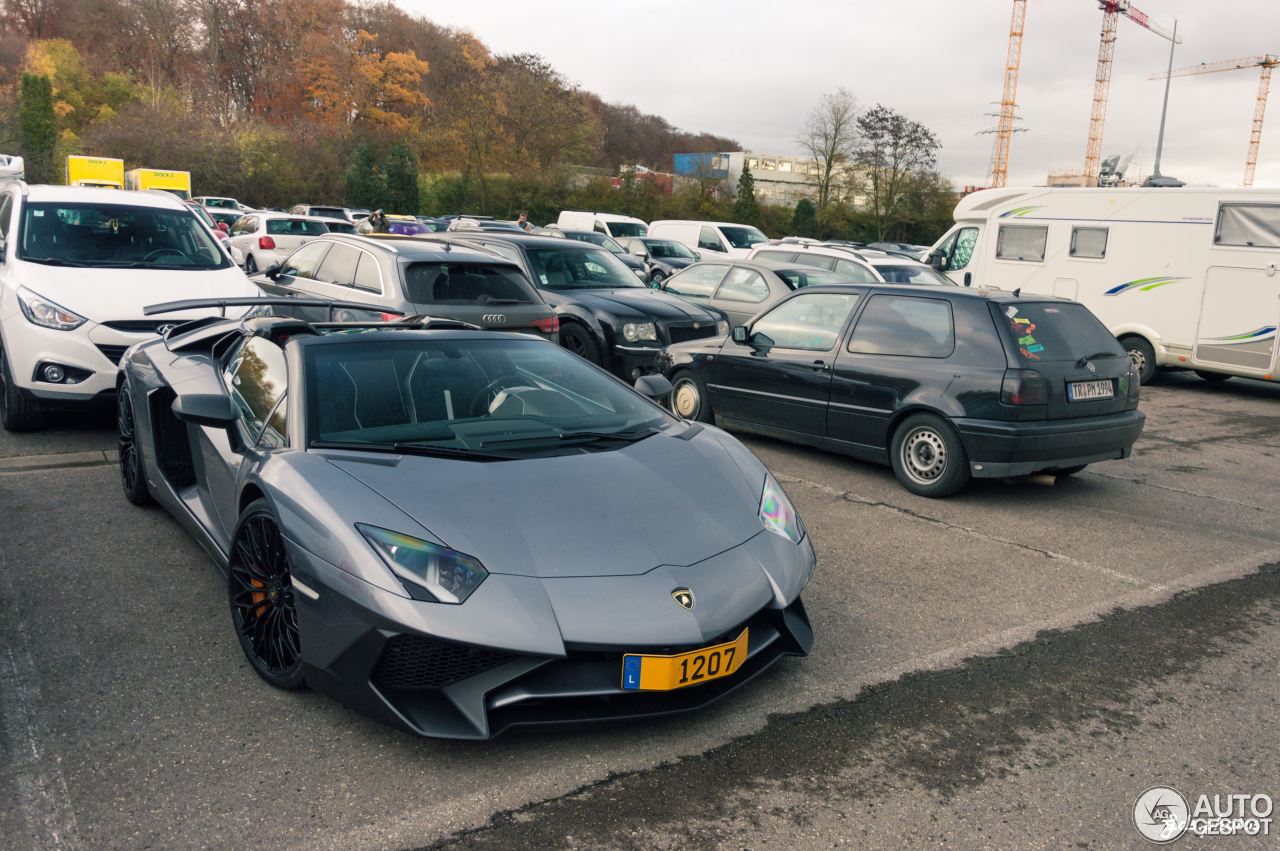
266,301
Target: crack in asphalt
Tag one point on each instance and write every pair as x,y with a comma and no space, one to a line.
850,496
1183,491
944,731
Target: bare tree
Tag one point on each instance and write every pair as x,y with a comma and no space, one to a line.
829,136
892,150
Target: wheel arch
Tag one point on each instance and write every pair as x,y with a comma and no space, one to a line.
900,415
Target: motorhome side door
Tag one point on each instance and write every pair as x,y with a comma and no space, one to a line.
1240,307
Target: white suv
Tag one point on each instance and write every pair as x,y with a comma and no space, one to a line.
77,266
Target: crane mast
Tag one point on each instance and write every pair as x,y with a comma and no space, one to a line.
1008,95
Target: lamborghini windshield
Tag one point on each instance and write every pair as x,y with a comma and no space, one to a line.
463,395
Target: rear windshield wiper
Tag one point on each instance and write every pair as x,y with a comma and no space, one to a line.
574,437
409,449
1095,356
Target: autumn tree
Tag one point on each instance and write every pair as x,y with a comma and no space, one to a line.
892,150
828,137
543,116
37,127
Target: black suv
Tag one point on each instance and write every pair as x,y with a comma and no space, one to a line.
943,384
409,276
607,315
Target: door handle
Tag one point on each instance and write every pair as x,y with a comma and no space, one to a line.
818,366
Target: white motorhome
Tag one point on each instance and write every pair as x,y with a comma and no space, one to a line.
1183,277
618,227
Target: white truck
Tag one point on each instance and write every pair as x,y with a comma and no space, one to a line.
618,227
1184,278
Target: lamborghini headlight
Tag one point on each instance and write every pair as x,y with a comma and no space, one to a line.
446,575
634,332
40,311
777,514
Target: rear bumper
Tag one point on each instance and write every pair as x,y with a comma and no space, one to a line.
999,449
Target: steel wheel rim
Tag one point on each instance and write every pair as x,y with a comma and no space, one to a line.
262,600
1139,359
129,468
924,456
686,398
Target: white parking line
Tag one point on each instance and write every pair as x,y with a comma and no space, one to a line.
42,792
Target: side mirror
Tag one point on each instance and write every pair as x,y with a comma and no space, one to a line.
697,255
740,334
272,271
206,409
968,279
639,251
719,248
654,386
937,260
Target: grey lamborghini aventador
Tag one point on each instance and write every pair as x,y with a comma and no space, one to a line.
460,531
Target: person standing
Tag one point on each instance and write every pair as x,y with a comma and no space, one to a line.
523,222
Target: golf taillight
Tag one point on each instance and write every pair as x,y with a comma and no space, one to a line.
389,317
266,243
1024,387
550,325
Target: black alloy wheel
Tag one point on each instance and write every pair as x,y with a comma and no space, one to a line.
250,265
132,477
260,590
578,340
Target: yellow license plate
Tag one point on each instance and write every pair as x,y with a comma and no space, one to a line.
643,672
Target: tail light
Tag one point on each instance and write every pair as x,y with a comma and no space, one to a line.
266,243
550,325
1024,387
389,317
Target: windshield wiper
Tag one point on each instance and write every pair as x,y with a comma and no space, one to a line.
409,449
55,261
575,437
1096,355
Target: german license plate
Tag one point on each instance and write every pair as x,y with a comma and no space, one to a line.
1080,391
642,672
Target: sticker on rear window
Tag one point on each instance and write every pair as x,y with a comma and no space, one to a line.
1011,312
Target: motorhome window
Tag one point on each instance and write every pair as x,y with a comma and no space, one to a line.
958,250
1248,225
1089,242
1021,242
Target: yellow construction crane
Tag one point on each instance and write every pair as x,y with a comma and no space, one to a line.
1265,63
1004,130
1111,12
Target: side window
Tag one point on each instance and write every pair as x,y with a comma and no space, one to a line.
368,277
1021,242
855,272
744,285
709,239
256,377
811,321
901,325
275,434
697,281
6,212
339,266
599,227
1089,242
507,251
959,249
304,262
1248,225
817,261
775,256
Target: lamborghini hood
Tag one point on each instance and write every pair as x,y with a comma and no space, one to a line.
660,501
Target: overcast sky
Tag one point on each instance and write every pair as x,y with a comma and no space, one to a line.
753,71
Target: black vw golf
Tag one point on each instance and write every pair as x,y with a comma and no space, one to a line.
942,384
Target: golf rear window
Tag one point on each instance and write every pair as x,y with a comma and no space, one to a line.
470,283
1054,331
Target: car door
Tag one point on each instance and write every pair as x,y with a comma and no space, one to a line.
298,269
780,377
255,377
744,292
244,232
898,345
709,240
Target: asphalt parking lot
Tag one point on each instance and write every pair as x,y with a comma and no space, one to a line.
130,718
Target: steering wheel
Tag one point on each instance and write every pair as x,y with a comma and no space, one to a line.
160,252
483,399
